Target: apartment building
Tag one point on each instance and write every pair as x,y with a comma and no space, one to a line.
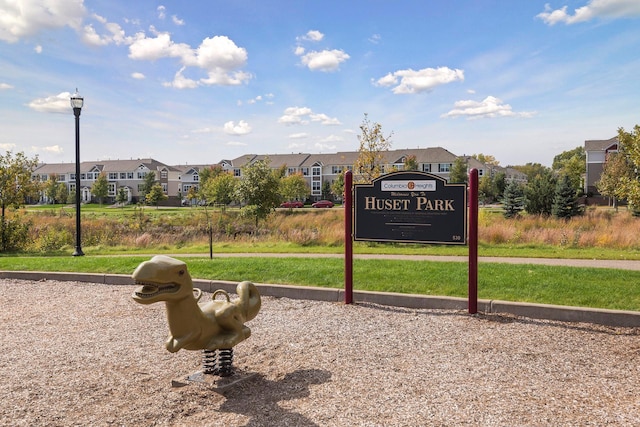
318,169
597,151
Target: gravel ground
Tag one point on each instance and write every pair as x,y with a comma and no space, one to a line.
88,355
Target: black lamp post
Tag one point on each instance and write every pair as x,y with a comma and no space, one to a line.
76,104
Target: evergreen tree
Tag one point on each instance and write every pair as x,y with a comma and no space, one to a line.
565,200
512,200
539,194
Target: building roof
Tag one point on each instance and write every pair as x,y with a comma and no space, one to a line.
102,165
600,145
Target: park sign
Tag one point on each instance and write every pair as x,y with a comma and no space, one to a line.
410,207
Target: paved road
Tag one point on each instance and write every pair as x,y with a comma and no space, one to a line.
616,264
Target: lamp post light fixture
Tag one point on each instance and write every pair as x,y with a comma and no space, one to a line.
76,103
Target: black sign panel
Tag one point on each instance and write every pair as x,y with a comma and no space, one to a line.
411,207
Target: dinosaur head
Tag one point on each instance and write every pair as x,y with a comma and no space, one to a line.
163,279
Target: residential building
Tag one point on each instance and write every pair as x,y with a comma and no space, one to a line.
596,153
126,174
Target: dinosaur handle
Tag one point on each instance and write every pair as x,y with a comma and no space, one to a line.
198,293
223,292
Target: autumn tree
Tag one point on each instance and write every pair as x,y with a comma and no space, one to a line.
373,144
486,159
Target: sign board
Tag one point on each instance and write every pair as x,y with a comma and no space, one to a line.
411,207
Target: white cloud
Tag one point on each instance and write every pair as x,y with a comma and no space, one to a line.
326,60
138,76
242,128
181,82
38,49
114,33
300,135
302,115
236,143
52,104
161,12
299,50
177,20
489,107
610,9
7,146
25,18
320,146
375,39
313,35
324,119
294,115
219,56
410,81
5,86
53,149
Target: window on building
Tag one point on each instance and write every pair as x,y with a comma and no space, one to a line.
291,171
111,189
316,188
196,177
335,170
305,171
236,171
315,171
113,176
426,167
123,175
83,176
444,167
164,174
129,175
141,175
165,188
72,187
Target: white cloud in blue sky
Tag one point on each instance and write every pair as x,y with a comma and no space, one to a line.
206,80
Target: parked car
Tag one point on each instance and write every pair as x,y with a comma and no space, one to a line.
322,204
294,204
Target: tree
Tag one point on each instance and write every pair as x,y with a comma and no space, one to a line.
294,187
411,163
51,189
220,189
16,186
539,194
156,195
615,171
337,186
147,185
565,203
531,169
62,193
121,197
373,144
486,159
513,200
572,163
100,187
629,147
258,188
458,172
209,173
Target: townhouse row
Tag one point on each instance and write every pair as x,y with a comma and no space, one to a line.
176,181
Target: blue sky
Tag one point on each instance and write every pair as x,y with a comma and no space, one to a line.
192,82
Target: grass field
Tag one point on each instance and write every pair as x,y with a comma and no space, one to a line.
138,232
584,287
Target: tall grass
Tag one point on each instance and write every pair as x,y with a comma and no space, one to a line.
54,229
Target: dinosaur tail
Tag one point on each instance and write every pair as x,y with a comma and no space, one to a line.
250,301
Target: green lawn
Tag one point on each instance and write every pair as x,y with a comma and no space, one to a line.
584,287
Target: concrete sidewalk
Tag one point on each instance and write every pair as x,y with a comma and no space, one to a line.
595,263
